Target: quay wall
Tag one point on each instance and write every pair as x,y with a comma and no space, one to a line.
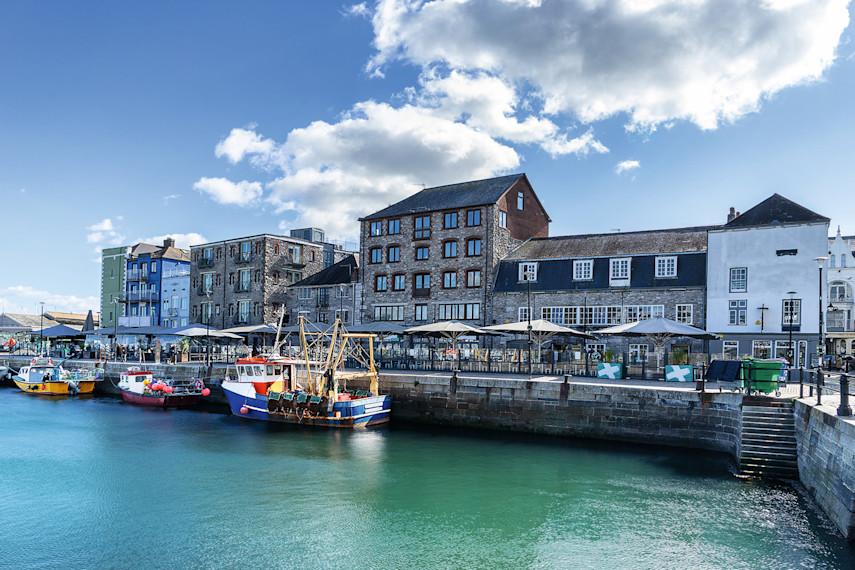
708,420
826,449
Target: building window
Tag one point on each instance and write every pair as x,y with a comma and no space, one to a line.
634,313
519,201
832,260
376,228
503,219
839,291
762,348
343,291
243,280
231,278
275,249
389,313
638,353
276,278
458,311
473,218
450,220
206,313
730,349
523,314
619,271
422,252
738,279
449,249
527,271
304,293
666,267
153,267
293,276
343,315
394,254
583,270
207,283
421,313
399,282
473,278
684,314
394,227
421,284
473,247
791,313
381,283
738,309
449,279
243,311
311,255
376,255
421,227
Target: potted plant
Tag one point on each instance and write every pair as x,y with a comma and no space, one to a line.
184,349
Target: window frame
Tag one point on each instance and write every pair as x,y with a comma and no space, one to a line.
690,312
737,311
381,283
420,249
420,230
452,243
376,255
617,275
663,267
449,280
450,221
524,267
583,267
470,244
743,280
393,227
393,253
375,228
469,278
471,222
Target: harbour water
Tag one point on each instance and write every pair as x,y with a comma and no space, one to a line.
97,483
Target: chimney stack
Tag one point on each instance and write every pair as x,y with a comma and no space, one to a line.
732,214
169,242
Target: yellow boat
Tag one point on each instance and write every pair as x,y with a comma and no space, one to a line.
44,377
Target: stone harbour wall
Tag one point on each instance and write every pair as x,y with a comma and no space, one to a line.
826,445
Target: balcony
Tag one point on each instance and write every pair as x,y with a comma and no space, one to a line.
241,319
206,261
135,296
137,275
421,292
836,321
137,321
242,287
243,257
206,290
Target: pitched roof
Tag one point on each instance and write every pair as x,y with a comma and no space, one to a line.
338,274
67,318
171,253
33,322
451,196
604,245
775,210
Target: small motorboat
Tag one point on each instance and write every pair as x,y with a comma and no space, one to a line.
44,377
140,387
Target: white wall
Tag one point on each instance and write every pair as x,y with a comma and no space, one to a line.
770,277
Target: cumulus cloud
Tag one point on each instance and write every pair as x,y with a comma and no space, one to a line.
22,298
655,61
626,166
104,234
166,199
225,191
242,142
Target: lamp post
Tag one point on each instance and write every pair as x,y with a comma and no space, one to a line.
792,351
208,329
820,349
529,274
340,302
42,329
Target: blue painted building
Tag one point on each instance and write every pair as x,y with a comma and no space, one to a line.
149,270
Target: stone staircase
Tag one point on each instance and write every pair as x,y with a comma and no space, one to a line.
768,439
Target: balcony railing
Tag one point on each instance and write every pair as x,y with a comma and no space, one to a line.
137,321
425,292
243,257
206,290
143,296
205,261
137,275
241,319
242,287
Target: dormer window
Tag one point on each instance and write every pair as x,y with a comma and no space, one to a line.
666,267
583,269
619,269
528,271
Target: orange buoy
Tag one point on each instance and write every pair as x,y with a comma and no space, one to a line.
206,392
244,410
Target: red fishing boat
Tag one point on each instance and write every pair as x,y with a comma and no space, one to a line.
140,387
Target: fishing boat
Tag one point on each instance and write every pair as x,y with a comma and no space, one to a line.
140,387
312,390
42,376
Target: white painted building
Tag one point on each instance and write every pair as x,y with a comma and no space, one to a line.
763,281
841,302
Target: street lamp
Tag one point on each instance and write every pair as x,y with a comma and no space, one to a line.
208,329
820,349
42,329
529,275
792,351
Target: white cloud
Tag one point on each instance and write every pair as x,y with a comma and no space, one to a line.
166,199
243,142
360,10
105,225
25,299
626,166
656,61
225,191
105,234
182,241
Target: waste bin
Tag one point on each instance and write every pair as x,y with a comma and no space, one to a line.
763,374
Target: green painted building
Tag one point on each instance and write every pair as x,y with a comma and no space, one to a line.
113,273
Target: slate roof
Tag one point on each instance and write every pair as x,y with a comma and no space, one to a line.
775,210
613,244
172,253
68,318
451,196
33,322
337,274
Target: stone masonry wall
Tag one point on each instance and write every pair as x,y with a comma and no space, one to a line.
826,448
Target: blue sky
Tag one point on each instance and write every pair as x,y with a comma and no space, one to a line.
122,122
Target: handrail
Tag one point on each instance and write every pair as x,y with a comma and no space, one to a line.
816,378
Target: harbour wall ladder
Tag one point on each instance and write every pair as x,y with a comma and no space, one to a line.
768,446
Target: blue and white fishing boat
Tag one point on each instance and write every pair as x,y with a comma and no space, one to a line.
270,387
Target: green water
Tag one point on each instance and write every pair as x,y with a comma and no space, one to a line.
96,483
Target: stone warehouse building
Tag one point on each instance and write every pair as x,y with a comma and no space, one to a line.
244,281
327,295
589,282
432,256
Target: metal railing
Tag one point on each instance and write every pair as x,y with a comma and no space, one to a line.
821,381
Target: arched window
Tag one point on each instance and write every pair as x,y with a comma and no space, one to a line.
839,291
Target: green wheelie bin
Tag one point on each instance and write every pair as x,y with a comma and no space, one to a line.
763,374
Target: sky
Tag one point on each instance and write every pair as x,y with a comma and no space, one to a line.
124,122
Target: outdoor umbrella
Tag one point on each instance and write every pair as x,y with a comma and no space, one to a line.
252,329
89,323
380,328
541,330
452,330
658,330
59,331
199,330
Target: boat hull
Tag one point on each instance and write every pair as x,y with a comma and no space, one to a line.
53,388
352,414
161,401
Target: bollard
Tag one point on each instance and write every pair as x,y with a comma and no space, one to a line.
819,386
801,382
843,409
701,384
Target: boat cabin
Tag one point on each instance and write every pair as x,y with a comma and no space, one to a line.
263,373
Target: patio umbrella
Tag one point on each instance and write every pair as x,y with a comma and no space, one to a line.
252,329
451,330
199,330
658,330
541,330
89,323
59,331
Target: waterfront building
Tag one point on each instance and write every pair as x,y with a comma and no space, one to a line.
244,281
432,256
146,266
175,296
589,282
327,295
763,281
113,272
841,302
